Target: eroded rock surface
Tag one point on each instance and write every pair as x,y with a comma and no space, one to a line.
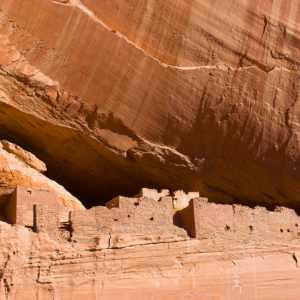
113,96
19,167
29,158
191,96
132,248
42,269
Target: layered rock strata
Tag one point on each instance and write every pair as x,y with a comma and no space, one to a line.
101,254
209,103
117,95
19,167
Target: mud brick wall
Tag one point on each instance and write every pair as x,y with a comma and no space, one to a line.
84,225
144,210
123,215
204,220
19,209
46,219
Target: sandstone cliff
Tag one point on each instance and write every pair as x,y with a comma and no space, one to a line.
198,95
117,95
21,168
42,269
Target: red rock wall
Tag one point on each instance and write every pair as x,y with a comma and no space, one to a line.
201,95
261,32
41,269
233,118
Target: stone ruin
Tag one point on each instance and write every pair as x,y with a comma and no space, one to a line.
150,217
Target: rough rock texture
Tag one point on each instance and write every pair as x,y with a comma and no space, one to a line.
204,92
16,169
29,158
93,257
115,95
35,267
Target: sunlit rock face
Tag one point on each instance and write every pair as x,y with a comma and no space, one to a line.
21,168
196,95
191,95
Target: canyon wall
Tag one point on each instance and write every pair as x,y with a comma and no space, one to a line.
204,92
115,95
34,267
125,250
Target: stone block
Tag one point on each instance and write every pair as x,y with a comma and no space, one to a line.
19,209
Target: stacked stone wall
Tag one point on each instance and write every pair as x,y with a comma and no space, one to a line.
204,220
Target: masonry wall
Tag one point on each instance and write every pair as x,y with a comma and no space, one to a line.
153,220
46,219
19,209
188,218
204,220
140,216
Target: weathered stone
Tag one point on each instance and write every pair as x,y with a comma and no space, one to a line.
153,194
210,104
14,171
182,199
29,158
20,207
191,95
